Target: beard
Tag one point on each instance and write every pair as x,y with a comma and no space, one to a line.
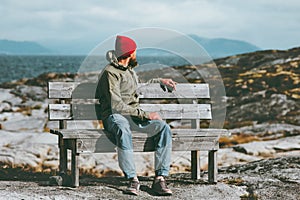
132,62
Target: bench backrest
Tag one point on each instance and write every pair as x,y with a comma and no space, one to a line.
78,101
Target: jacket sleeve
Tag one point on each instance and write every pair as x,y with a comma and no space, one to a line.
116,102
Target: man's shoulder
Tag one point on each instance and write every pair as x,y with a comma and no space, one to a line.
111,69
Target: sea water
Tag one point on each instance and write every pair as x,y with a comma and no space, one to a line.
15,67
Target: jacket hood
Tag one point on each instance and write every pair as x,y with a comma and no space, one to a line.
112,58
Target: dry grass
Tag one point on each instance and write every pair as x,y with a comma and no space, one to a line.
237,139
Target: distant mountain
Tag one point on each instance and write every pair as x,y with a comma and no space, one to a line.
22,47
221,47
215,47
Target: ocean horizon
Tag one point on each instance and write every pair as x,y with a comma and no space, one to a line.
15,67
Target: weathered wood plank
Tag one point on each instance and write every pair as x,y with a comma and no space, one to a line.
167,111
183,90
212,166
74,164
59,112
63,156
64,90
97,141
96,133
144,144
195,164
78,90
180,111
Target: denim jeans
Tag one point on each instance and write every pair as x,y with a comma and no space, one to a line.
120,127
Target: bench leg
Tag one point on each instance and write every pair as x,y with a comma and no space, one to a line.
74,165
61,178
63,157
195,164
212,166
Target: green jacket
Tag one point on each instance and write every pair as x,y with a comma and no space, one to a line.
117,90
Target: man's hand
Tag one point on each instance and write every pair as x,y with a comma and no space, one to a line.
154,116
171,85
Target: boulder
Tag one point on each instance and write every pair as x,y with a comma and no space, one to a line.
27,148
262,110
268,130
5,107
268,148
5,94
8,98
24,123
34,93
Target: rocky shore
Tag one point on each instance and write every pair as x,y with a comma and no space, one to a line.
259,161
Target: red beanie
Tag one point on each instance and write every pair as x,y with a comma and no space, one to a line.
124,46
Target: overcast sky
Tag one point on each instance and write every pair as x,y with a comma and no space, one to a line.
269,24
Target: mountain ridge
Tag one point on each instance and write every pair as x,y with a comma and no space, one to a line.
222,47
215,47
11,47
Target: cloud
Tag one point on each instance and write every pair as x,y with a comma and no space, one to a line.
263,22
51,19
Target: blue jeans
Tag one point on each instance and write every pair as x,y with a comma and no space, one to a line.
120,127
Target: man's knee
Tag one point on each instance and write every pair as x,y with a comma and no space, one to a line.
122,132
118,123
120,119
164,126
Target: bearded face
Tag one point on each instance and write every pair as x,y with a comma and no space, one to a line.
133,62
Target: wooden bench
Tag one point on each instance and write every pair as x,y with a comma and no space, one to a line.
182,104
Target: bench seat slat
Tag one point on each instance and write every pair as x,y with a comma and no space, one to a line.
142,145
96,133
93,141
167,111
76,90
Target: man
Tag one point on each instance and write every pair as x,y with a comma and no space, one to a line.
121,113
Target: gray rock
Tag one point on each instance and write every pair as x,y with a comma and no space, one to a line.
209,192
37,105
267,148
5,94
24,123
256,148
5,107
7,138
228,157
34,93
7,97
267,129
52,124
260,108
27,149
280,104
287,167
87,162
287,144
